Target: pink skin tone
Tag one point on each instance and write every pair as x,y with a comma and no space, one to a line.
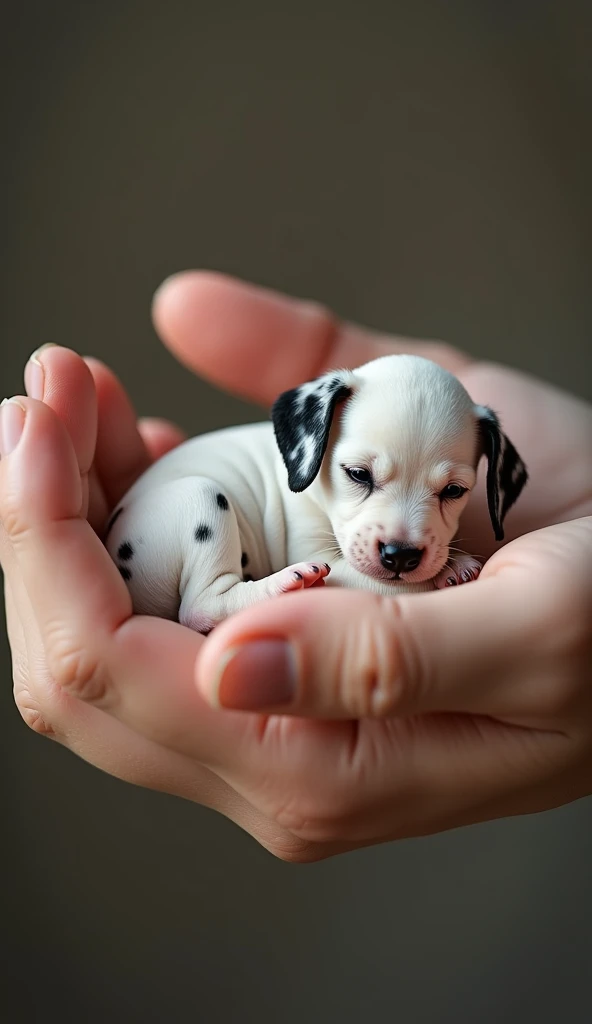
363,555
360,751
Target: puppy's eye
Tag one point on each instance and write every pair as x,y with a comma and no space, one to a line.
359,475
452,492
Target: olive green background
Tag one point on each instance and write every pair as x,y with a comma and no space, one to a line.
422,167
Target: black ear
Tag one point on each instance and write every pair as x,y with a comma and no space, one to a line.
302,420
506,472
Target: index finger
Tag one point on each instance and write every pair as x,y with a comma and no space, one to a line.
257,343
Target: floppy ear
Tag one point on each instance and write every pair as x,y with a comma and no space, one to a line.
506,472
302,421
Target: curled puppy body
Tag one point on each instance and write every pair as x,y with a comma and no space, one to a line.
366,471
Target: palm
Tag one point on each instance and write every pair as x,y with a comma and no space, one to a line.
286,779
256,344
552,431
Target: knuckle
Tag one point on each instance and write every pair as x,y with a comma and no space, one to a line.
76,669
11,517
376,663
317,816
34,720
293,850
32,715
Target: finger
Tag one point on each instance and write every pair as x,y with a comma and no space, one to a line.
101,740
69,385
141,670
160,437
41,499
347,654
60,378
121,454
25,664
488,647
258,343
80,602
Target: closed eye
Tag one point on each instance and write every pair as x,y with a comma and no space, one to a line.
452,492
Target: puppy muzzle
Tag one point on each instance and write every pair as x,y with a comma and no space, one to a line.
399,558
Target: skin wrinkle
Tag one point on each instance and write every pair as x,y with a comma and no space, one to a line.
407,658
445,772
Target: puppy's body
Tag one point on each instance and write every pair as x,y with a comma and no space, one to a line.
354,477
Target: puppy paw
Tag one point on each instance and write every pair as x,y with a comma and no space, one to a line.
300,576
465,569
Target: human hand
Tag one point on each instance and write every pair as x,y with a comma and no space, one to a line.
306,789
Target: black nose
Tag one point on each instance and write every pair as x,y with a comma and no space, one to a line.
398,558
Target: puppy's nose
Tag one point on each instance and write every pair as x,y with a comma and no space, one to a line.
399,558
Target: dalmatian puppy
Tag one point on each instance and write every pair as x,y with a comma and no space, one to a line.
366,478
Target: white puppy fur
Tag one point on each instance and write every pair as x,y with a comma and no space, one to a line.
367,476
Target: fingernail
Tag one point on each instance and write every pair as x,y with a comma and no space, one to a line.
12,421
35,373
256,675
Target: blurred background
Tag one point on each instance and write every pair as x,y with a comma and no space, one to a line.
421,167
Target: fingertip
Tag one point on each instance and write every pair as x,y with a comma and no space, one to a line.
160,436
41,475
120,453
61,366
270,657
60,378
179,291
251,340
13,412
260,675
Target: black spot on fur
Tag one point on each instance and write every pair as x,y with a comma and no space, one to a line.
125,572
247,578
203,533
244,559
125,551
112,521
222,502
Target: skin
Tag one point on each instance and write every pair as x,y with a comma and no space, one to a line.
410,715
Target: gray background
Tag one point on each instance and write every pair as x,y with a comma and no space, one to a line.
423,167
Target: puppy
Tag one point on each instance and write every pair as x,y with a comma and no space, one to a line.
366,478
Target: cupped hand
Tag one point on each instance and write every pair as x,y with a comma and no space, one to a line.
407,716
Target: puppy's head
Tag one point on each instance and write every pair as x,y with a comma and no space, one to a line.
392,450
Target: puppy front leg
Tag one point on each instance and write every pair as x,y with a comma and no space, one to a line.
202,608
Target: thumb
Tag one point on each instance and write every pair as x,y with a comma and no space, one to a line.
349,654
